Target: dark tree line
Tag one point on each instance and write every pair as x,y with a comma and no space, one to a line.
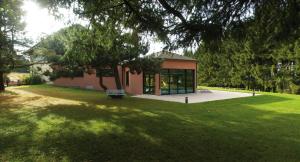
262,52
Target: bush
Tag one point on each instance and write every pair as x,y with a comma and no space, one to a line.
53,76
295,89
33,80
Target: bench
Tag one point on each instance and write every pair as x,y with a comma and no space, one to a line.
115,93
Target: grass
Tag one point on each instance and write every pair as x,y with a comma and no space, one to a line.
45,123
228,89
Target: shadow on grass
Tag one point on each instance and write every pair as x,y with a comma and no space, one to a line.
90,132
101,129
97,97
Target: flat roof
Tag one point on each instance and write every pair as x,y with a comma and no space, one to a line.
171,55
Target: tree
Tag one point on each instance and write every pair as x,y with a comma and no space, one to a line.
240,37
252,58
10,27
99,47
188,22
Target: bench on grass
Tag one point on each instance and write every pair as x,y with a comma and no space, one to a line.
115,93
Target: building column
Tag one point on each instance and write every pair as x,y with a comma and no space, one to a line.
157,84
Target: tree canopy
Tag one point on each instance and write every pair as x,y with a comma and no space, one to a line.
100,47
180,23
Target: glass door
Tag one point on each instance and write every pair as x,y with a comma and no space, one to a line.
164,82
180,81
173,83
149,83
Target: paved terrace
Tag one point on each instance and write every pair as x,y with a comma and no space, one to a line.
200,96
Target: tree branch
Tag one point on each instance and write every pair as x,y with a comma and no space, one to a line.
173,11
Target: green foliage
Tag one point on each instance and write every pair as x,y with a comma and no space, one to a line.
47,73
294,88
146,64
105,73
242,42
33,79
192,21
244,65
100,47
10,31
66,72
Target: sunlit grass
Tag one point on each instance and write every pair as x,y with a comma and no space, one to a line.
46,123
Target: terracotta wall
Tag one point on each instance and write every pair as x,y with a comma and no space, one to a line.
88,81
135,83
175,64
179,64
157,84
135,80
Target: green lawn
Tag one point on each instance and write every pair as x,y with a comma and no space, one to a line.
64,124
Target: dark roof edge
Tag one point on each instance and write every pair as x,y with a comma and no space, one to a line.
171,56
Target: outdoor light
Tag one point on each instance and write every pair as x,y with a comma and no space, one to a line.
186,100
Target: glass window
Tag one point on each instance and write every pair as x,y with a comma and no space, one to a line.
181,81
127,78
190,81
105,73
71,73
149,83
177,81
164,82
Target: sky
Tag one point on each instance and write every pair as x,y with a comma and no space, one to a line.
40,23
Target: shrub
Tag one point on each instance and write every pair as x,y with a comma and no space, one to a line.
33,80
295,89
47,73
53,76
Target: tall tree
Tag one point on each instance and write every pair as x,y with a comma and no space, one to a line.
99,47
10,27
105,46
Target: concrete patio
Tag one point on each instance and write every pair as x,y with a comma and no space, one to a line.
200,96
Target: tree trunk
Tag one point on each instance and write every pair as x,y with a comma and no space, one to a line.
101,81
2,88
117,77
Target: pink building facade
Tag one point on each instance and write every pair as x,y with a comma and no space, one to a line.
177,76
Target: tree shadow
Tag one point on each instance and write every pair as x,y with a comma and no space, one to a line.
143,130
108,133
97,97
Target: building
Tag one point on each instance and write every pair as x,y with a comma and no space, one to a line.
177,76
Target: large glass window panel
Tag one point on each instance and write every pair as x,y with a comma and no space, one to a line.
173,83
190,81
149,83
164,83
181,81
176,81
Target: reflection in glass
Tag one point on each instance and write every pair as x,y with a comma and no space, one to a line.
177,81
149,83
